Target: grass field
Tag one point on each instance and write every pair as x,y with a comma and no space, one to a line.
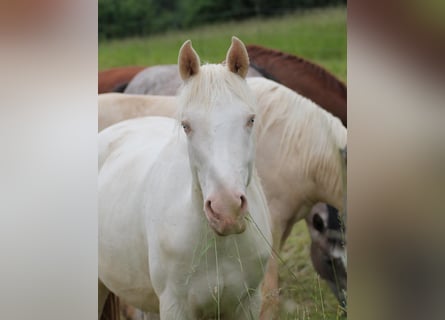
318,35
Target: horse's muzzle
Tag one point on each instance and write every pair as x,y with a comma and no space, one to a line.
226,216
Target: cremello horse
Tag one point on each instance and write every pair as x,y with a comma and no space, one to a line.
297,156
299,163
183,221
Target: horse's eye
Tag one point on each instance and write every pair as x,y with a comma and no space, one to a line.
186,127
251,121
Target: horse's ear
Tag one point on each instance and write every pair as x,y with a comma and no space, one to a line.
237,58
188,61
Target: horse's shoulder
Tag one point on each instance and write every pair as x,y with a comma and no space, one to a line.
135,138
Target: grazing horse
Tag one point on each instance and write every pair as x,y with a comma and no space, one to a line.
297,158
115,79
162,80
183,221
305,169
328,248
307,78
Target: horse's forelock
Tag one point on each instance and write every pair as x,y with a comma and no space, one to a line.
213,83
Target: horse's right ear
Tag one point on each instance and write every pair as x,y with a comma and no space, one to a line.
188,61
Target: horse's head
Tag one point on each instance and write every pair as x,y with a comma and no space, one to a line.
328,244
327,231
218,118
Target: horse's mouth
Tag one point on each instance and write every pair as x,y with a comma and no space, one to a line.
225,227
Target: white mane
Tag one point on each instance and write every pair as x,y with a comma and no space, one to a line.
310,132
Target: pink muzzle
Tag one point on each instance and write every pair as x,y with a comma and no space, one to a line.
226,213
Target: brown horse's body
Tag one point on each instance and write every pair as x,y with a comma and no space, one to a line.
111,79
306,78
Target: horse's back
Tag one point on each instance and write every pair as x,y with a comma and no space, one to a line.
116,107
110,79
157,80
126,138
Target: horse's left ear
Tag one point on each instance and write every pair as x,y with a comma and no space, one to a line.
237,58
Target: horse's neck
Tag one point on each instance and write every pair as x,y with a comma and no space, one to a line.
327,170
312,137
329,185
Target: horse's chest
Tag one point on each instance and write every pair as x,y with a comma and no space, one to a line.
221,282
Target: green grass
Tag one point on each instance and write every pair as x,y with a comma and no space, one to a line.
318,35
308,296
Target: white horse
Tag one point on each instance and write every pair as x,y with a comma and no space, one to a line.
297,157
183,221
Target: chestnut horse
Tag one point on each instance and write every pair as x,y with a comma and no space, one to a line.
307,78
116,79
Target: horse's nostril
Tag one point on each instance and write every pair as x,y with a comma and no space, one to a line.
211,210
243,202
209,205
